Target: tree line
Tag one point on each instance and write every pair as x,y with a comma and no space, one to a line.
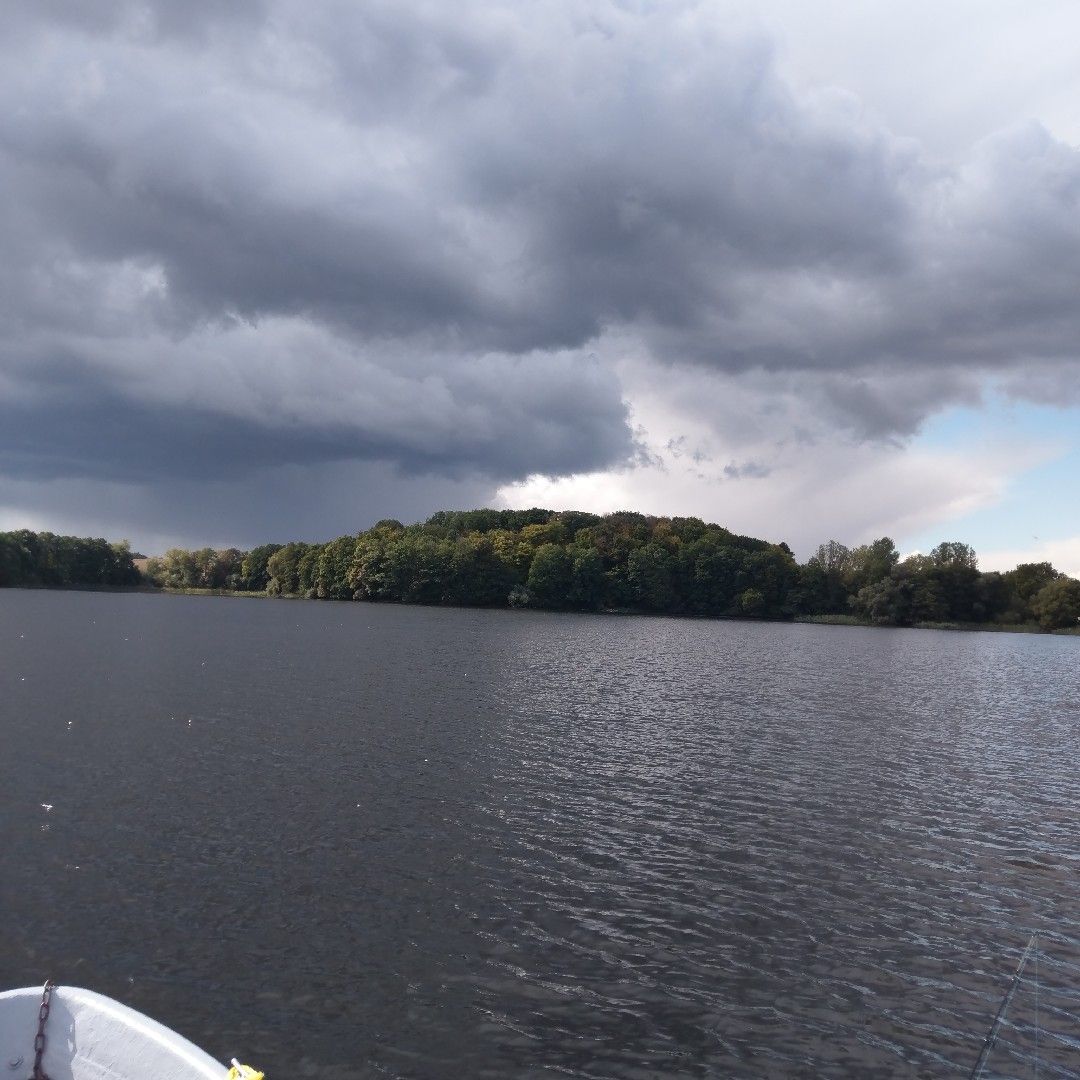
31,558
576,561
579,562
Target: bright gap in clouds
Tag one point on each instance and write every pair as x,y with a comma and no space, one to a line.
809,496
710,449
945,74
1036,518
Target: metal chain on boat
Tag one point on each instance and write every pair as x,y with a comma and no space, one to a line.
39,1039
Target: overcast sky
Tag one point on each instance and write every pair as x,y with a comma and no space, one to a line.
275,270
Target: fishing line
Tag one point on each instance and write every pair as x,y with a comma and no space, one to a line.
991,1037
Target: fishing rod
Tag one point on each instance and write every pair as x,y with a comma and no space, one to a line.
991,1037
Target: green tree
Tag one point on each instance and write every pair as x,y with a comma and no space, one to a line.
332,569
574,521
587,581
872,562
772,573
826,579
154,571
925,601
955,573
221,569
307,571
888,601
1057,604
11,561
1025,582
711,575
550,576
751,602
254,574
420,568
994,598
284,569
479,576
179,569
369,570
122,568
649,573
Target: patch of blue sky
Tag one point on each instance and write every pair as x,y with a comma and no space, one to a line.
1040,502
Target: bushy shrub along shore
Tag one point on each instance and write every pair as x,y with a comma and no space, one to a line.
28,558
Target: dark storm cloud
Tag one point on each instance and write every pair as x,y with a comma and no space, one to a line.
244,235
292,502
233,400
444,175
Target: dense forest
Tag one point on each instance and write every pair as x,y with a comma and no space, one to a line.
629,562
29,558
574,561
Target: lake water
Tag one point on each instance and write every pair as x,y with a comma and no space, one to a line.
348,840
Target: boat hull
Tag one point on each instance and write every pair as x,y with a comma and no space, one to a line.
91,1037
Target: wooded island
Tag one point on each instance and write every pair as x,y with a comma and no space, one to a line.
575,561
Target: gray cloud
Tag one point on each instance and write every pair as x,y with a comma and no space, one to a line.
291,502
746,470
244,236
223,401
143,20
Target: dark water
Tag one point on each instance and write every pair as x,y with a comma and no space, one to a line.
344,840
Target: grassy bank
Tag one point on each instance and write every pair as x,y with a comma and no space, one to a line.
998,628
820,620
833,620
981,627
215,592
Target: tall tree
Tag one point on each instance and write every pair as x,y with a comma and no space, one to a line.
1057,604
550,576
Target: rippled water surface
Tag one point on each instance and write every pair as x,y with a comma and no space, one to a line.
346,840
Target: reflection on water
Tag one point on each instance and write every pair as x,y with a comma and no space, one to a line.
344,840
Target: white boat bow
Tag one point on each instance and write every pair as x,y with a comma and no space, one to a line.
91,1037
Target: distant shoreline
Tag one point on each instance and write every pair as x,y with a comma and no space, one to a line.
86,588
816,620
619,563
